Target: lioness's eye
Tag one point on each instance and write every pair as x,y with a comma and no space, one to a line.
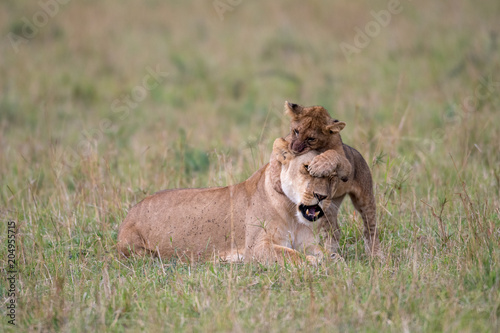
296,131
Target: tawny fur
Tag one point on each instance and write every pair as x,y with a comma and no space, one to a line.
249,220
315,123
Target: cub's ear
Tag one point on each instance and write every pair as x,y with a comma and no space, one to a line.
335,127
281,152
293,110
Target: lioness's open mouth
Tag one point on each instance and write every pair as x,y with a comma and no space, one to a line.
311,213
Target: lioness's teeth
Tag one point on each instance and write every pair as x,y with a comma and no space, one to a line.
316,215
307,212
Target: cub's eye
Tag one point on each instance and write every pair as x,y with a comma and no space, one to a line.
306,168
311,139
296,131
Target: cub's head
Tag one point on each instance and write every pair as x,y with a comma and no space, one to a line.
312,128
311,195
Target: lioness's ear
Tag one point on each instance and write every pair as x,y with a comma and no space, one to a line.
336,127
280,150
293,110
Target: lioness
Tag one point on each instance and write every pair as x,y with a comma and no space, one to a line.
249,221
312,128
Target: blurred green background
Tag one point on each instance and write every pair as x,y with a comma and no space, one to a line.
74,80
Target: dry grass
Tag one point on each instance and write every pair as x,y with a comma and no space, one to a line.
416,106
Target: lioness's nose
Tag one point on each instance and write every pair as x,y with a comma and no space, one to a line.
320,197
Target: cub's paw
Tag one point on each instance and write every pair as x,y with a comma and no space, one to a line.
330,163
315,261
344,169
337,257
374,251
322,166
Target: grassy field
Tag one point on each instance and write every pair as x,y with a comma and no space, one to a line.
104,103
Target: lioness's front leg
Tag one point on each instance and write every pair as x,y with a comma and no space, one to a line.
323,164
285,253
268,252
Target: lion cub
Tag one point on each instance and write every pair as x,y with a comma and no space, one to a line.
312,128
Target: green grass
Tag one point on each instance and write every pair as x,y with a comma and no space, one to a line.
416,107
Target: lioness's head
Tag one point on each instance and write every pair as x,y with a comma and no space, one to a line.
311,195
311,128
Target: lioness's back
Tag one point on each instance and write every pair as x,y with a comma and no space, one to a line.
187,219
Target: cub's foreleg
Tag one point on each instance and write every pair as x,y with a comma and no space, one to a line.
364,202
330,230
